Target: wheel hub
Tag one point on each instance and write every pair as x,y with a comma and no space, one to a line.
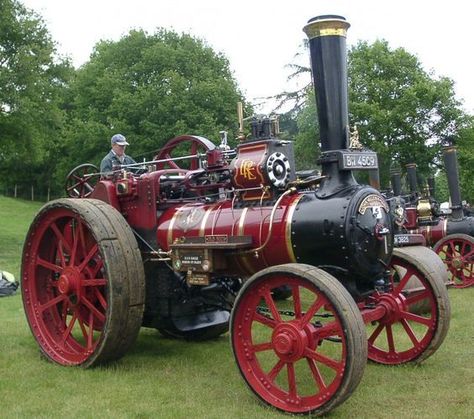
69,283
289,342
393,305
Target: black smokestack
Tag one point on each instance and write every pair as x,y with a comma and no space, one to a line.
431,186
327,45
452,172
411,176
396,181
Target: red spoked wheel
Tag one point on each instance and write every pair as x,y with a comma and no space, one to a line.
305,354
416,318
81,181
82,282
184,145
457,252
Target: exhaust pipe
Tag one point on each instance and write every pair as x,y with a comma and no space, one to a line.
411,176
452,173
327,45
396,181
431,186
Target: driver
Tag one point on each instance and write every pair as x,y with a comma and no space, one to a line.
116,156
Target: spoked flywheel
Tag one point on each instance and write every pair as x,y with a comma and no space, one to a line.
305,354
82,282
416,318
81,181
457,252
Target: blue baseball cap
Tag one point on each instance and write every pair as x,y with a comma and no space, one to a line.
118,139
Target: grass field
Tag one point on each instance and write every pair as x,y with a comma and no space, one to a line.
163,378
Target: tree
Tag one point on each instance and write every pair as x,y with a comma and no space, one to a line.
401,111
150,88
32,80
465,148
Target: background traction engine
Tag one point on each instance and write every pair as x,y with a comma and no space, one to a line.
450,235
302,268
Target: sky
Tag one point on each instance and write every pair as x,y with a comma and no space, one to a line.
261,37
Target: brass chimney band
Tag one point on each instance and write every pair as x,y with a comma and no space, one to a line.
326,27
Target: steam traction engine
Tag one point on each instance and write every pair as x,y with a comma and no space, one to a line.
450,235
311,257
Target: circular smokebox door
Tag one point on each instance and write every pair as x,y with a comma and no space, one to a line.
278,169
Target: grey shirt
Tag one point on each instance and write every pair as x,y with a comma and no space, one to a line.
111,160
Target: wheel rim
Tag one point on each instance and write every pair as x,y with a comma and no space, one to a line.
291,353
404,333
65,292
458,255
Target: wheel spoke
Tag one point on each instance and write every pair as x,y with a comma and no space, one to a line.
327,330
375,333
313,309
75,242
276,370
93,309
83,329
101,298
410,332
89,257
416,318
48,265
316,356
99,282
262,347
295,291
417,296
61,239
68,330
290,367
316,374
271,305
265,320
403,281
390,341
52,302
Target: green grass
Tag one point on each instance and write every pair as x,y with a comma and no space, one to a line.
163,378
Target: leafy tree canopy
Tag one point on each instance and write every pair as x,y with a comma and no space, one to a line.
401,111
31,84
150,88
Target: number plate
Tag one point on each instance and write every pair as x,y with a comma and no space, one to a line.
358,160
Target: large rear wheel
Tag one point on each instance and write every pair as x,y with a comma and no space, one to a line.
82,282
417,317
305,354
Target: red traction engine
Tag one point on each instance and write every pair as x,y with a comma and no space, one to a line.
450,235
302,269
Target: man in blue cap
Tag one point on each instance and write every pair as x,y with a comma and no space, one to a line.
116,156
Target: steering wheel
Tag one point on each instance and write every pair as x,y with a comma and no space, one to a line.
81,181
184,145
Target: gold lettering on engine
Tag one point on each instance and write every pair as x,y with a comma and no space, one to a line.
247,169
373,201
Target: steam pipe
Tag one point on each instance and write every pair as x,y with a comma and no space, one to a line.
327,46
452,173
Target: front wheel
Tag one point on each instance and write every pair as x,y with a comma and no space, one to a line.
417,317
305,354
457,252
